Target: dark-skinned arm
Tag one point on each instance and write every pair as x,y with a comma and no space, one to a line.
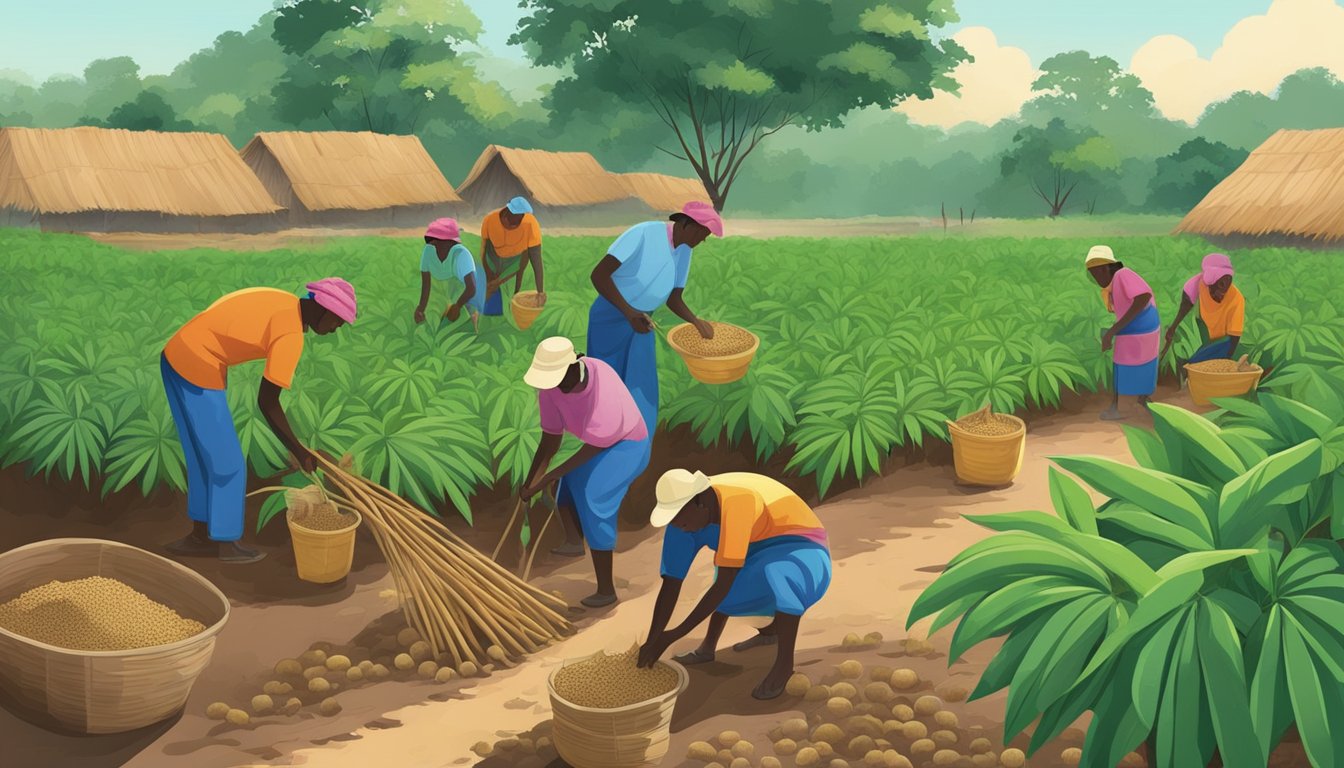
546,450
654,643
1140,304
424,298
677,303
606,288
709,603
1186,306
1232,346
268,400
532,256
585,453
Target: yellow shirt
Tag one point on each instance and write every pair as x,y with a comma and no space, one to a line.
754,507
1223,318
510,242
250,324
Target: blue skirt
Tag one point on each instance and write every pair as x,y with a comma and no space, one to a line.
784,574
632,355
597,487
1141,379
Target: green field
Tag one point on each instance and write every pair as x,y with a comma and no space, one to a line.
868,345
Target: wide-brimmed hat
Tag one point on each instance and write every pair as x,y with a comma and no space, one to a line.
1099,255
674,489
550,362
336,296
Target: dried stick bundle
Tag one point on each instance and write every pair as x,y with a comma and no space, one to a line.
460,601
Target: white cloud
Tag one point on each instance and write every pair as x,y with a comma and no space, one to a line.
1256,54
993,87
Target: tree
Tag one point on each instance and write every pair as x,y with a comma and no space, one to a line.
110,82
1184,177
723,77
1308,98
1056,164
148,112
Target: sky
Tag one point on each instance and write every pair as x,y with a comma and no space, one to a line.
1188,52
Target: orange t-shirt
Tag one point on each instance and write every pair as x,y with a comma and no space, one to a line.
250,324
510,242
754,507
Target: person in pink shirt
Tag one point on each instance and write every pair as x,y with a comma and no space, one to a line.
585,397
1136,333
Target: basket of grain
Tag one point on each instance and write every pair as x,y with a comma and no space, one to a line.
322,535
526,307
987,447
1221,378
720,360
102,637
608,713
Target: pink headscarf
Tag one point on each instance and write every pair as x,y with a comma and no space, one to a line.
1215,267
444,229
335,295
705,215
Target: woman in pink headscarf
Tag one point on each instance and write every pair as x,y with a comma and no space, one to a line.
251,324
1222,310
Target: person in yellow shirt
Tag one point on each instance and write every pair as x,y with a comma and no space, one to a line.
771,556
251,324
1222,310
510,239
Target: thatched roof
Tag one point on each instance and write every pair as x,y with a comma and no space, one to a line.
69,170
1293,185
551,179
363,171
664,193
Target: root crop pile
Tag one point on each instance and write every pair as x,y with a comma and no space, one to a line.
988,424
609,681
457,599
94,614
728,340
1224,366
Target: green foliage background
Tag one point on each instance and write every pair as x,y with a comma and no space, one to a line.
867,345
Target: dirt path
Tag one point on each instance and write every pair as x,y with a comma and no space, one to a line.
890,539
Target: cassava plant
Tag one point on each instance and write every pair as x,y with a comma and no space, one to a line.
1192,611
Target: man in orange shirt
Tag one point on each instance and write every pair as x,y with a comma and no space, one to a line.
771,556
510,239
1222,310
252,324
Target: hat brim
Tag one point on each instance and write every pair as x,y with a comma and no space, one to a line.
664,513
1098,261
542,378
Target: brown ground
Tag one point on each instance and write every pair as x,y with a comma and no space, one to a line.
890,538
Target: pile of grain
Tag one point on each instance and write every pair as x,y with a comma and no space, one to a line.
728,340
530,299
608,681
1223,366
94,614
323,516
987,424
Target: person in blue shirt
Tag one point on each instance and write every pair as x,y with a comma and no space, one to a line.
644,269
446,258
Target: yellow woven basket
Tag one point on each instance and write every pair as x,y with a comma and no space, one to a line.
635,736
715,370
989,460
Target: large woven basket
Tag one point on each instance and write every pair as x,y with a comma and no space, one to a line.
523,315
635,736
1206,385
106,691
715,370
988,460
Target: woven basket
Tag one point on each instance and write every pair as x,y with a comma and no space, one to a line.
635,736
523,315
715,370
322,557
1206,385
990,460
106,691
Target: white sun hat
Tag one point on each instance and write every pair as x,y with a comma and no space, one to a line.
550,362
1098,255
675,488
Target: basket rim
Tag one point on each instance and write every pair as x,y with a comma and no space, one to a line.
514,299
207,633
1256,371
686,354
955,428
359,518
683,681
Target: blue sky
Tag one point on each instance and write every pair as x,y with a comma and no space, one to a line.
61,36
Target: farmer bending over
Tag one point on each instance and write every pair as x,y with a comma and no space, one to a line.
445,258
1134,335
771,559
510,239
1222,310
585,397
252,324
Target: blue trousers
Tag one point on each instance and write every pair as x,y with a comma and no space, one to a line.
633,355
597,487
216,471
494,304
783,574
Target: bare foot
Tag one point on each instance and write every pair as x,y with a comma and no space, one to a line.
756,642
569,549
772,686
698,656
1112,414
598,600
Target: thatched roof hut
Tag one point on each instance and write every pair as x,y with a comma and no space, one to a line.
339,179
664,193
562,186
1290,189
104,180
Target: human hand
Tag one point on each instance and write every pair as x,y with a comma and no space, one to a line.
1107,339
419,315
476,321
541,298
652,650
452,313
705,328
533,488
641,322
305,460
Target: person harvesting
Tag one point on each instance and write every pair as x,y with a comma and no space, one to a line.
251,324
1134,335
1222,310
511,239
584,397
770,555
444,257
646,267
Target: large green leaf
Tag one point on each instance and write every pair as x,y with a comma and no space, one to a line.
1000,611
1166,496
1050,667
1072,502
1224,676
1280,479
1204,455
